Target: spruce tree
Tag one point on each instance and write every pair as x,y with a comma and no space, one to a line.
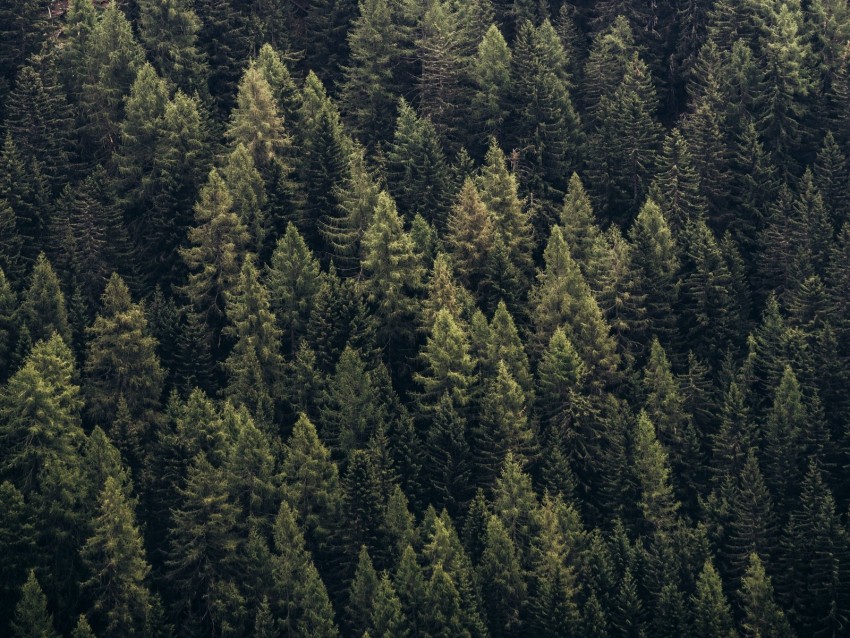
43,310
393,272
169,31
32,618
657,501
712,615
762,616
387,619
505,592
122,361
116,561
470,236
491,73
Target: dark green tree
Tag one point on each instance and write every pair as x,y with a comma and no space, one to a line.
32,618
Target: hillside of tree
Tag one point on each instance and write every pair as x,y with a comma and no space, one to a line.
439,318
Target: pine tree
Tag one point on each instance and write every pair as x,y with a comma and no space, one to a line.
122,361
505,592
112,59
247,190
762,616
562,298
417,170
325,158
499,192
544,124
393,272
411,587
169,31
449,461
712,614
470,236
32,618
25,190
656,264
448,366
362,593
43,309
785,426
310,482
25,25
373,83
657,502
751,525
301,602
202,561
625,142
224,40
38,120
503,426
115,558
491,73
255,121
815,552
213,258
41,415
254,328
387,619
82,629
676,188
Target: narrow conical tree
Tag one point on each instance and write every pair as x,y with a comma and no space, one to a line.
115,557
122,362
506,592
213,258
169,31
32,618
470,236
361,596
43,309
393,272
492,78
712,615
657,502
387,619
762,616
311,482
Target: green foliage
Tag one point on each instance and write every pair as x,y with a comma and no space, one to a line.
32,619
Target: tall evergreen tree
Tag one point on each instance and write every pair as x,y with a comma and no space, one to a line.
32,618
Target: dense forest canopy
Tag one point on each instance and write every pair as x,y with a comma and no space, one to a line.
439,318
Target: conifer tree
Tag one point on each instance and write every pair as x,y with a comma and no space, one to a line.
815,560
785,427
470,236
122,361
491,73
38,118
26,192
301,603
676,188
657,502
712,613
32,618
665,407
213,258
762,616
247,190
255,121
448,366
393,272
293,279
310,481
417,169
751,525
224,40
656,264
505,592
387,619
112,59
202,561
254,328
544,123
625,142
503,426
43,309
562,298
411,587
362,593
116,561
449,461
169,31
372,84
40,410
